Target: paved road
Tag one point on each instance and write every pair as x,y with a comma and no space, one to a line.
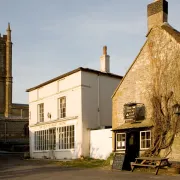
13,168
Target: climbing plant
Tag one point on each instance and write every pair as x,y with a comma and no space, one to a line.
164,92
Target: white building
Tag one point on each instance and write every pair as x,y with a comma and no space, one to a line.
64,109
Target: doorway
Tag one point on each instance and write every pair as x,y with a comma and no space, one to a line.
52,138
132,147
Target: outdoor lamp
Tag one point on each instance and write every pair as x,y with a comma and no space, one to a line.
176,109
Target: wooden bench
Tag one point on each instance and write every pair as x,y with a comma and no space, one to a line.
153,162
144,165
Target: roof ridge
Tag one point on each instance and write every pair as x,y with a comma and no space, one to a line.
171,31
72,72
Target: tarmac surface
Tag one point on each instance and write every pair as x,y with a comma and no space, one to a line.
12,167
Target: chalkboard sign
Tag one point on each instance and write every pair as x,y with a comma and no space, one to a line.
130,112
118,161
134,111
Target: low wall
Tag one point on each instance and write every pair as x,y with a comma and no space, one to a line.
100,143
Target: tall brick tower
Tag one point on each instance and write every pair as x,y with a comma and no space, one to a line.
8,100
6,73
13,116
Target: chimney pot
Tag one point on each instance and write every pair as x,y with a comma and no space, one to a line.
104,60
105,50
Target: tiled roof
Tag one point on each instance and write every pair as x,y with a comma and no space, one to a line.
135,125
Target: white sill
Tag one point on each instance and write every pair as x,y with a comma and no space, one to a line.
57,150
142,149
120,149
64,150
41,151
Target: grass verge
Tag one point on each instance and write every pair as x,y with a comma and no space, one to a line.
84,163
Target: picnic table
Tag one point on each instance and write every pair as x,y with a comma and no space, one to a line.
153,162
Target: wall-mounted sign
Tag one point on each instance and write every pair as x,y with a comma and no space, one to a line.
130,112
134,111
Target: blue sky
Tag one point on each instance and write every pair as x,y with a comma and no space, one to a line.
51,37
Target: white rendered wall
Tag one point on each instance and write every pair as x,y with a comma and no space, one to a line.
107,88
100,143
82,102
96,104
70,87
49,94
91,102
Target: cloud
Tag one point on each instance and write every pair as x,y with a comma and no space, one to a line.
95,24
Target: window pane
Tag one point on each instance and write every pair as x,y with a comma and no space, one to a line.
143,135
123,137
148,143
142,144
147,135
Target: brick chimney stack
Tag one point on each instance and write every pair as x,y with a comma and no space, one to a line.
105,61
157,13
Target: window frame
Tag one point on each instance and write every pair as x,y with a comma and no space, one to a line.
66,137
29,115
150,139
61,107
43,140
120,141
40,112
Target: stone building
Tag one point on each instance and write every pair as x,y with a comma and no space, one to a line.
13,116
153,74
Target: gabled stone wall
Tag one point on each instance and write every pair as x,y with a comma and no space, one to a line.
161,50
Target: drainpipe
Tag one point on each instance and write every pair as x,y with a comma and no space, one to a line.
98,110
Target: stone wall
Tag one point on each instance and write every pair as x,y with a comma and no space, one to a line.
160,51
13,131
20,110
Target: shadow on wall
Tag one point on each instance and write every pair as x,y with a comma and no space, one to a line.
78,151
72,154
96,154
54,154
